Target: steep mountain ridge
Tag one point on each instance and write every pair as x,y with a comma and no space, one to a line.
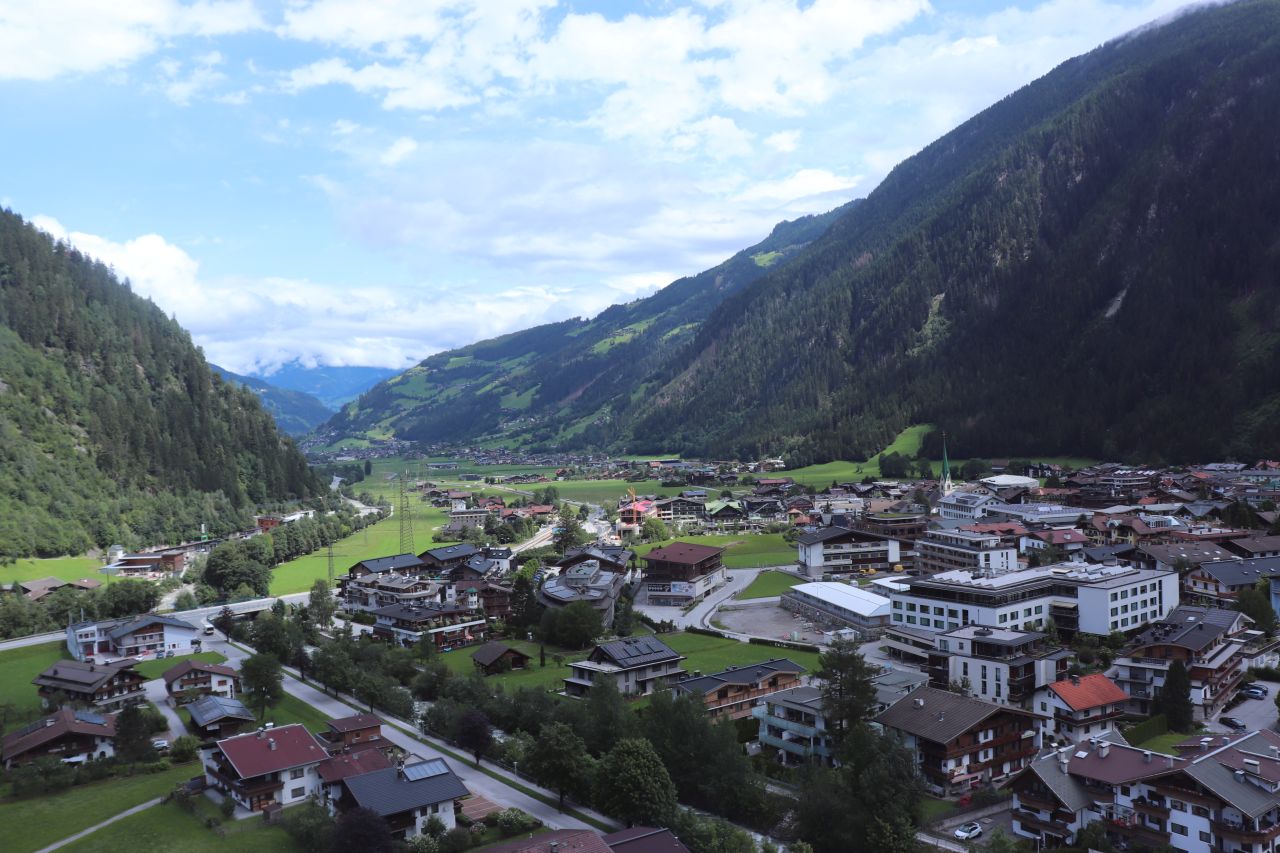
113,429
1088,267
296,412
562,381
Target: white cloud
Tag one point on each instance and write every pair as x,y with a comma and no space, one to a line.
39,41
784,141
201,77
398,150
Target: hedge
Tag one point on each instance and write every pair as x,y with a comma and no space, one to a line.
1140,733
783,644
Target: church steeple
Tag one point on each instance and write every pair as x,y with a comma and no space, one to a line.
945,483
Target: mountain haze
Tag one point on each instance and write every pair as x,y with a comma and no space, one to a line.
113,429
563,382
1090,266
332,386
296,412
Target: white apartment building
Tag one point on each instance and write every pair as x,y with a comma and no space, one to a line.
947,550
1076,596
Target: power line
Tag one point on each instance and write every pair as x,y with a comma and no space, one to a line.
406,517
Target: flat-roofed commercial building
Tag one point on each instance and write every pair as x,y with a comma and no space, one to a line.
944,550
1077,596
834,551
841,604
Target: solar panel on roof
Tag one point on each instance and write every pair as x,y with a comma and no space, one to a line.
425,769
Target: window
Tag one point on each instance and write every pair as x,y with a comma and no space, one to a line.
1199,811
897,605
1206,837
297,792
911,620
1177,828
296,773
911,606
1177,805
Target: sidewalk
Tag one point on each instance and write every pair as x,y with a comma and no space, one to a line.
82,833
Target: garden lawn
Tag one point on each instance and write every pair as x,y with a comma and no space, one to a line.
64,568
1164,743
933,809
377,540
293,710
770,584
167,829
31,824
155,668
17,668
599,491
550,677
713,654
742,550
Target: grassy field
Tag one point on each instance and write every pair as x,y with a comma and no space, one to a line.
65,568
1164,743
156,668
550,677
769,584
742,550
35,823
712,654
168,829
17,668
377,540
293,710
599,491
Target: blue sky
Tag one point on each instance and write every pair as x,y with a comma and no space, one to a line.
353,182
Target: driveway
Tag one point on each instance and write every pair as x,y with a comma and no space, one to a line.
476,782
700,615
159,697
1254,713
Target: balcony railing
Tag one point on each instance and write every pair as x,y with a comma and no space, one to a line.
1245,831
796,747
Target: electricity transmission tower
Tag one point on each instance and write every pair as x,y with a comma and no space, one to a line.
406,517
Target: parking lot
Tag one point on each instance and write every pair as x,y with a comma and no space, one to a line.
769,620
1254,713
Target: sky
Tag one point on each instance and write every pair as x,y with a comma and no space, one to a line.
355,182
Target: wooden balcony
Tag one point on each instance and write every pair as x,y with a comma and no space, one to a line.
1151,807
1245,832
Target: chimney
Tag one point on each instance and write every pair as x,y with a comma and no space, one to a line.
261,730
1104,748
1239,774
1146,756
271,744
1062,764
1205,743
919,703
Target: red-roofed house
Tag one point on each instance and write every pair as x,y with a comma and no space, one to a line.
269,766
68,735
357,732
1082,706
1068,540
333,770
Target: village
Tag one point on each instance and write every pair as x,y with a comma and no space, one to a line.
1064,654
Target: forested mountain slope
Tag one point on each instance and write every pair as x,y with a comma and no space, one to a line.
1091,266
112,426
563,382
296,412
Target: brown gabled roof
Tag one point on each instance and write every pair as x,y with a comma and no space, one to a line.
560,841
180,669
490,652
1089,691
940,715
355,722
644,839
62,722
687,553
272,750
339,767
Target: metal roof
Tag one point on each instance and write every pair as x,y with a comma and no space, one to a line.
389,792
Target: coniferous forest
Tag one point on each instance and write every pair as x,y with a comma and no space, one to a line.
112,427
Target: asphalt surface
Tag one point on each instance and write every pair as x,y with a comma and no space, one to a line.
1254,713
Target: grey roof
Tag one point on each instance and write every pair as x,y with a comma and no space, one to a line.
451,552
939,715
1065,786
636,651
388,564
147,619
1195,628
210,708
823,535
388,792
1258,544
490,652
745,674
1216,772
80,675
1238,572
808,697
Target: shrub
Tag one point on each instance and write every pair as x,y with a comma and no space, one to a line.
184,749
513,821
227,806
455,840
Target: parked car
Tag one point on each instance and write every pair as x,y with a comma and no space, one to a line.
1232,723
968,831
160,745
1252,692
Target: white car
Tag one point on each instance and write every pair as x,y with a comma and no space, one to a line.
160,744
968,831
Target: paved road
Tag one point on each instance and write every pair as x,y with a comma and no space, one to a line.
1254,713
160,698
476,782
700,616
82,833
537,540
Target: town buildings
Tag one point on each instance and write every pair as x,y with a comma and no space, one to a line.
839,605
682,572
457,623
1209,641
191,678
406,796
1003,666
215,717
948,550
146,636
637,665
68,735
585,581
733,692
495,657
267,767
793,727
1077,596
105,686
839,551
1083,706
959,742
